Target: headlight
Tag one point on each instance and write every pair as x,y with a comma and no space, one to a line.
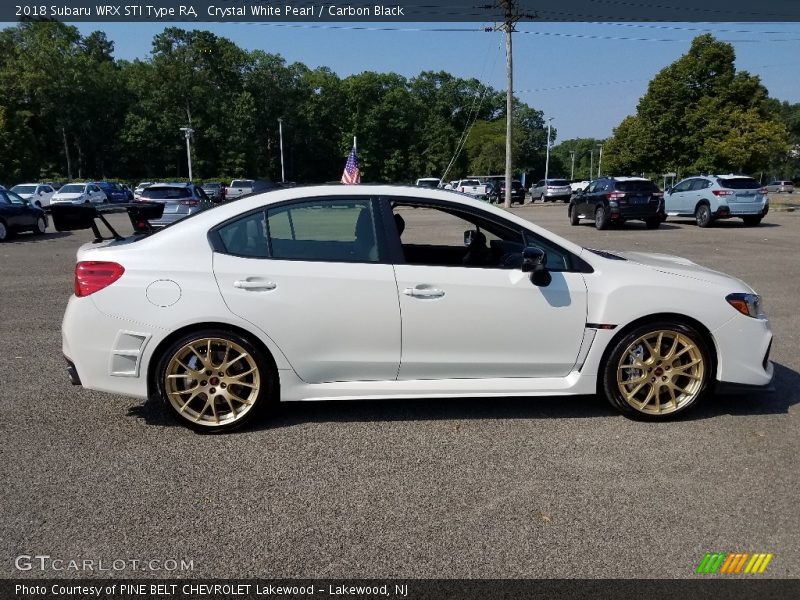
749,305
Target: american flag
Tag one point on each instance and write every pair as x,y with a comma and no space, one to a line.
351,173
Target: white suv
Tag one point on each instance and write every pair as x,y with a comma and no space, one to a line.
711,197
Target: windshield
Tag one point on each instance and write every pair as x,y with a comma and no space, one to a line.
72,188
738,183
637,186
24,189
431,183
211,186
166,193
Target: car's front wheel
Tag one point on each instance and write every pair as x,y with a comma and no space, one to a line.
657,370
215,380
3,232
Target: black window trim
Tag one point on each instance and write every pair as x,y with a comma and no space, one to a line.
217,245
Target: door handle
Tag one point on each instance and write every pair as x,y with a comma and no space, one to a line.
417,292
255,285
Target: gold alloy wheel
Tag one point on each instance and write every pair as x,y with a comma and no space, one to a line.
212,381
661,372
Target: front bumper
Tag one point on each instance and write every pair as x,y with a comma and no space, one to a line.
743,347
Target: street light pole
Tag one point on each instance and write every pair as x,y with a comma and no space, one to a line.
591,164
572,171
280,134
547,156
599,162
188,131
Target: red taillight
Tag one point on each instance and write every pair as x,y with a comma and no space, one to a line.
189,202
615,195
723,192
92,276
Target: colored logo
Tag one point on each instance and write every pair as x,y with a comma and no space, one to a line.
732,563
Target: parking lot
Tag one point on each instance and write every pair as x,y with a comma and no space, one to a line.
490,488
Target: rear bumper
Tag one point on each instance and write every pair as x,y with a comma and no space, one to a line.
72,372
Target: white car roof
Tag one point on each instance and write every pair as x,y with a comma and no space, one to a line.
631,178
209,218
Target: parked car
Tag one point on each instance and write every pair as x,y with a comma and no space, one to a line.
262,185
551,189
517,191
428,182
777,187
712,197
471,187
18,214
579,185
113,191
56,185
38,194
214,190
618,199
238,188
137,191
79,193
241,306
180,200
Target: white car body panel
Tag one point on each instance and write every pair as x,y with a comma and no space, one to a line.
40,197
334,317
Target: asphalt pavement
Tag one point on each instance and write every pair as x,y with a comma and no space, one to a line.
489,488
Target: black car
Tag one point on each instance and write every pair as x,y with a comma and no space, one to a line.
17,214
618,199
214,190
517,191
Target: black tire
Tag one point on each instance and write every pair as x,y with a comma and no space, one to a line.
752,220
574,219
661,380
601,218
652,223
261,396
542,199
702,216
40,227
4,233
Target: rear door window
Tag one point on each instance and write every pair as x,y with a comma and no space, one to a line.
637,186
738,183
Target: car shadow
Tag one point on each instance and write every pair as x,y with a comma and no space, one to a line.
732,223
290,414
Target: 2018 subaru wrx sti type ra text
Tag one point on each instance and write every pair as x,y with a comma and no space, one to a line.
344,292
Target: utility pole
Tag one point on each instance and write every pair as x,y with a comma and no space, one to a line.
547,154
599,162
280,135
591,164
188,131
508,27
572,171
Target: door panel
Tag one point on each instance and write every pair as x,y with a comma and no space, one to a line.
462,322
333,321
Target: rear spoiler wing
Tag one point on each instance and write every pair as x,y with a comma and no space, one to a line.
74,217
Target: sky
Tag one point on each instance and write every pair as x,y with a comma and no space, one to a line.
586,76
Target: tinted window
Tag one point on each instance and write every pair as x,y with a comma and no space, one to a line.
559,182
211,186
246,237
72,188
683,186
14,199
3,200
700,184
24,189
327,230
637,186
166,193
242,183
738,183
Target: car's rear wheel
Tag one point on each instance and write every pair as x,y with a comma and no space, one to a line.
3,232
657,370
40,227
215,380
574,218
601,218
752,220
702,215
652,223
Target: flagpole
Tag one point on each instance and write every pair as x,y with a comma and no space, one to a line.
354,144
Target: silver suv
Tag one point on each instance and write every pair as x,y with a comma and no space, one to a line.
711,197
551,189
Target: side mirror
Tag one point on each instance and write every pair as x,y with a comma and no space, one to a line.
533,259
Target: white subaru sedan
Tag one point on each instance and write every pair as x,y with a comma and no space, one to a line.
345,292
